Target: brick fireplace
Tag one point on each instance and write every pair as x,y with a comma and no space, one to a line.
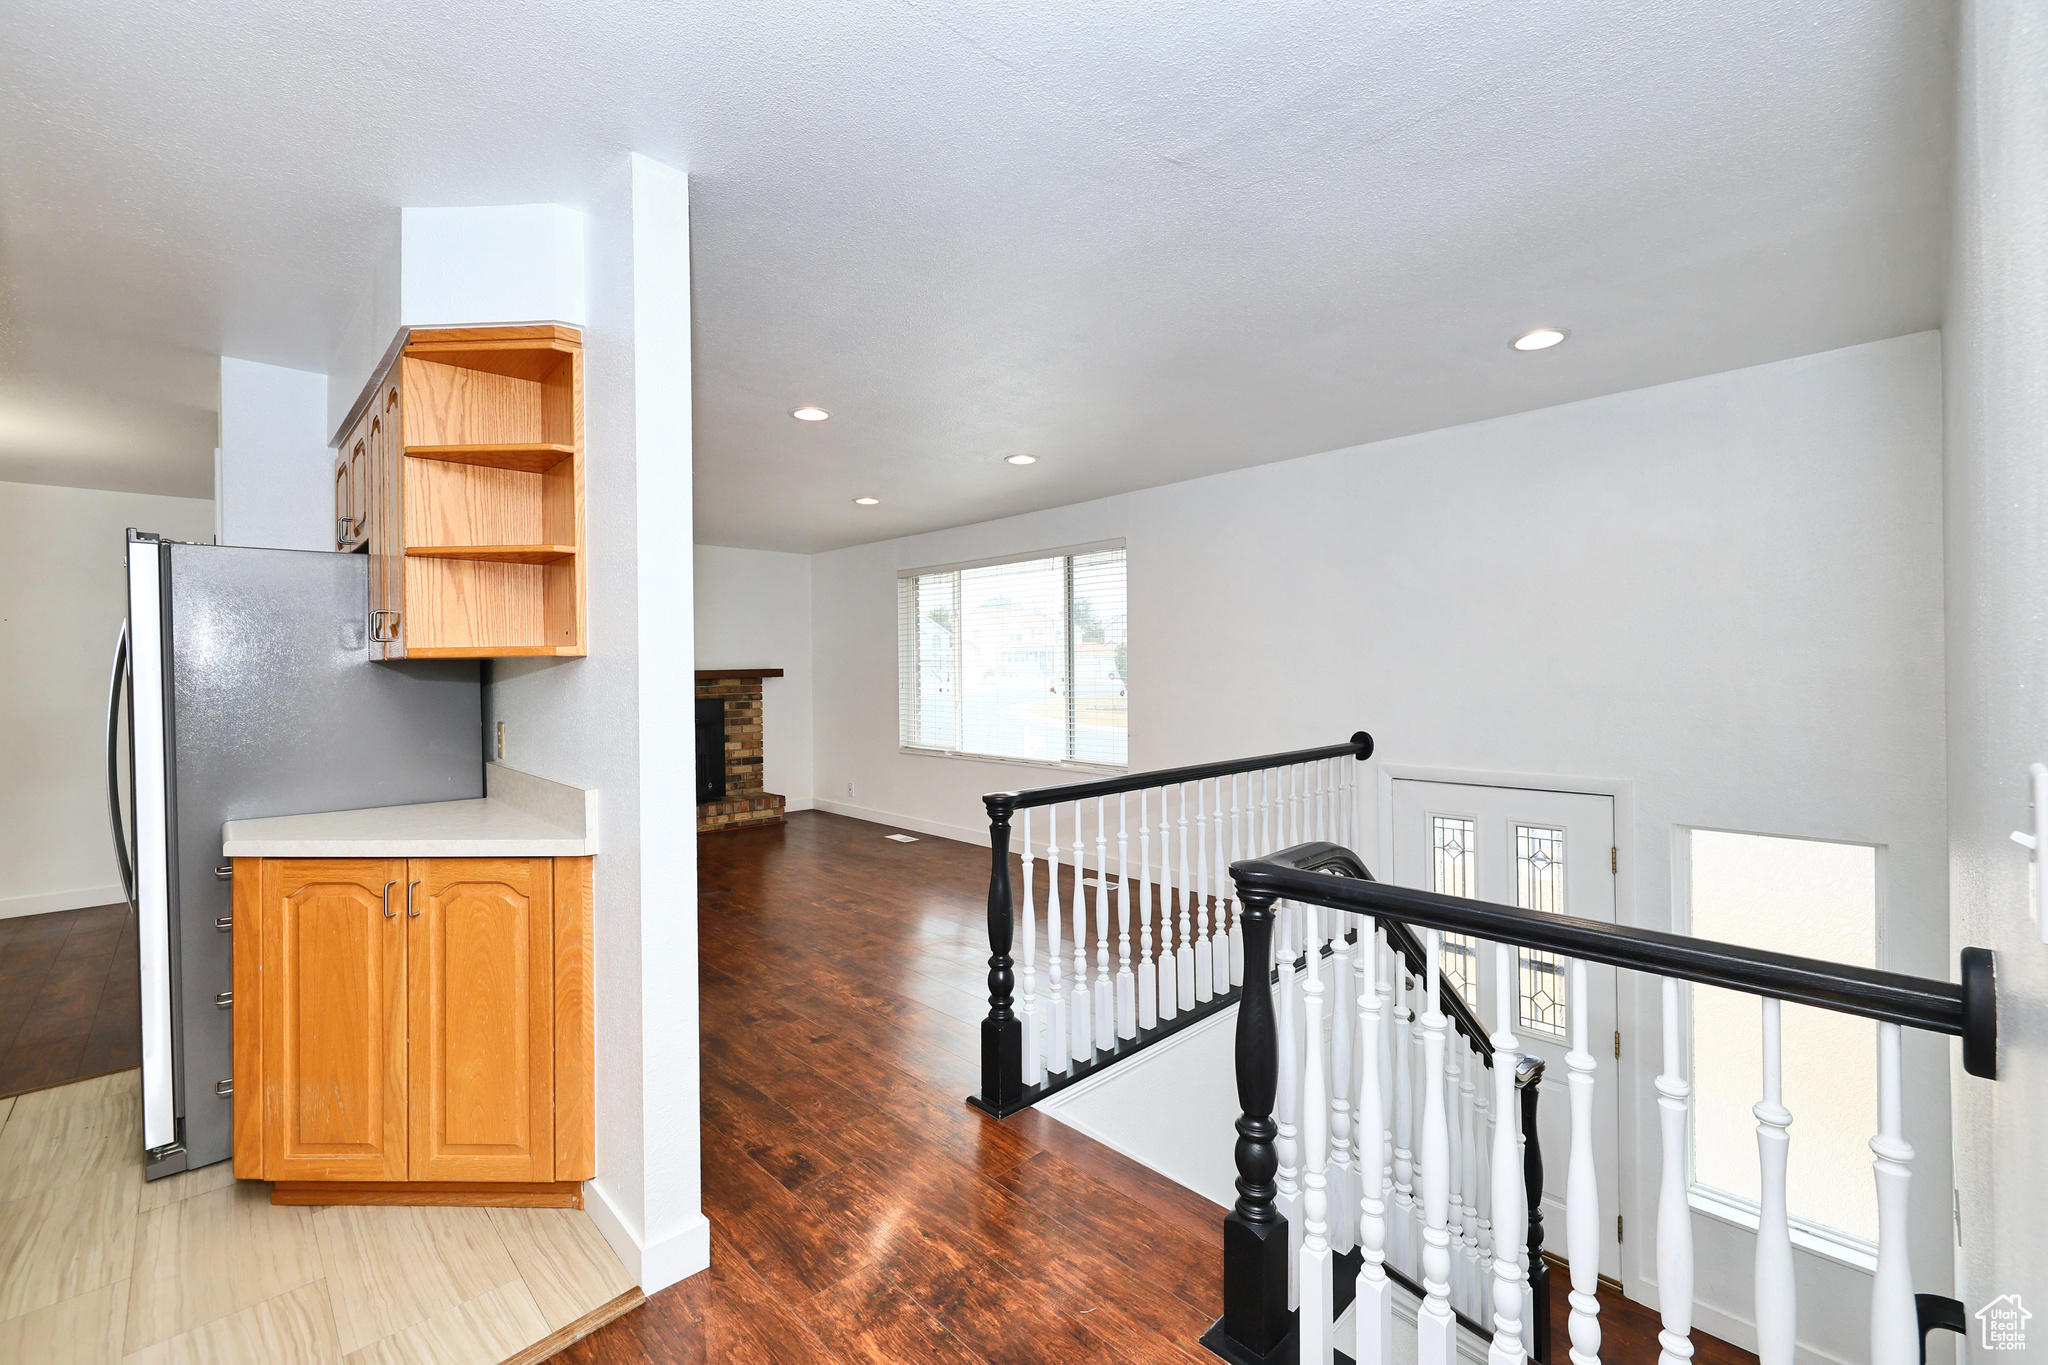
729,753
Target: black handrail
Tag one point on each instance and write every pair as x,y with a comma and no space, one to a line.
1003,1091
1359,746
1967,1011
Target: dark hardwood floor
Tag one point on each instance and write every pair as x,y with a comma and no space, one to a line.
860,1211
70,998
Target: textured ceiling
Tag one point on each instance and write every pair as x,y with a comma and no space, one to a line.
1142,241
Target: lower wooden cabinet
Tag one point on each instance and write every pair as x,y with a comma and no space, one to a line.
417,1026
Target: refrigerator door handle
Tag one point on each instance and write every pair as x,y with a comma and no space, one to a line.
115,689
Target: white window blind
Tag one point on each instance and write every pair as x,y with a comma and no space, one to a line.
1022,659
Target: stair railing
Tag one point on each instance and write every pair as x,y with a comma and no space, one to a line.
1167,945
1318,894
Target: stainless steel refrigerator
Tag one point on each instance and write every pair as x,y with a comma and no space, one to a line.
247,686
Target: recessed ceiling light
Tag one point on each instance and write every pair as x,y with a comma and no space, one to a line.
1542,339
867,502
809,414
1020,458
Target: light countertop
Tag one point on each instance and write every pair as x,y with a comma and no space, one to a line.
519,816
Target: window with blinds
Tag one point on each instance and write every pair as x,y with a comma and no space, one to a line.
1020,659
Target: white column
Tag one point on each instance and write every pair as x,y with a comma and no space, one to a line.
1058,1056
1148,965
1373,1318
1674,1217
1205,944
1126,983
1084,1026
1582,1188
1313,1278
1343,1193
1436,1329
1404,1119
1509,1217
1894,1331
1105,984
1034,1061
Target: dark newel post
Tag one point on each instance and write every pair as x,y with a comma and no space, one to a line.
1002,1033
1255,1314
1529,1080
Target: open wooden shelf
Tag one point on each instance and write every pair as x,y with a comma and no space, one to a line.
533,457
494,554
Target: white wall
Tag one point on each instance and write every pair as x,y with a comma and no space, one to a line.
1726,592
1997,345
754,611
62,597
621,720
472,267
273,482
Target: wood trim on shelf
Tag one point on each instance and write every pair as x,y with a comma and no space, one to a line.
494,554
710,674
536,457
479,338
495,1194
497,652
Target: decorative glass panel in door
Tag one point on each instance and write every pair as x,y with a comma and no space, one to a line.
1546,851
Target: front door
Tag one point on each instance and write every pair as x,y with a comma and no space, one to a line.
1552,851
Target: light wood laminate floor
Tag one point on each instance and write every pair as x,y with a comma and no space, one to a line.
97,1265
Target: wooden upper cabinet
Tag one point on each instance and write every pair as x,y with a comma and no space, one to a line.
476,486
481,1008
333,1019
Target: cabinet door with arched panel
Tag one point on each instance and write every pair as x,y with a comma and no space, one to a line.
481,1010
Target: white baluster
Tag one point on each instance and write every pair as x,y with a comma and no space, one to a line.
1148,965
1420,1074
1262,827
1893,1321
1436,1329
1343,1192
1170,1001
1454,1178
1184,956
1126,983
1404,1119
1236,921
1084,1027
1034,1058
1373,1318
1314,1275
1482,1143
1582,1189
1468,1167
1509,1217
1105,984
1205,943
1286,1109
1777,1307
1674,1218
1058,1056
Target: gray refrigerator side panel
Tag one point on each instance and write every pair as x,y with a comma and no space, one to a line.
279,711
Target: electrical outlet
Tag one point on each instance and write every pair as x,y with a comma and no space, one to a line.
501,741
849,789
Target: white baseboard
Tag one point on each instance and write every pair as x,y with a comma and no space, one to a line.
654,1268
51,901
961,833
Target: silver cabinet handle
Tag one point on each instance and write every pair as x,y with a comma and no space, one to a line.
409,911
388,912
342,527
379,630
115,689
224,1088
